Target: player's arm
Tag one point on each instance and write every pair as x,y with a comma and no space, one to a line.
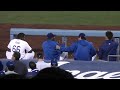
93,50
100,52
30,51
9,50
69,48
9,46
28,48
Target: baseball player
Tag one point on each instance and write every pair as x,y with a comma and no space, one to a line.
81,49
49,48
20,45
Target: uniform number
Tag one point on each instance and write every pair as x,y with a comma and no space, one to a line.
16,48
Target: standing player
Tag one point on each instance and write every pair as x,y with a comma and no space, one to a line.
20,45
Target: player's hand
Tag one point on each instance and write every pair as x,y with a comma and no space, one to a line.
57,47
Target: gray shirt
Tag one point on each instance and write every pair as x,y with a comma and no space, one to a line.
20,68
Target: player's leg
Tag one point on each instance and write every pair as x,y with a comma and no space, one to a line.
9,55
64,55
29,55
94,57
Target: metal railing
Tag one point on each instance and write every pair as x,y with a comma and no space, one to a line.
118,56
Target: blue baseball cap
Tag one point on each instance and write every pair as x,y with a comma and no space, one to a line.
50,35
81,35
9,64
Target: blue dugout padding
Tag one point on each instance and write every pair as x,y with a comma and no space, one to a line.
61,32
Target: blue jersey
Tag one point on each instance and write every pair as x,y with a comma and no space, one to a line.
108,47
50,51
82,50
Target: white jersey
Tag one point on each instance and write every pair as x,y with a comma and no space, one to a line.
41,65
19,46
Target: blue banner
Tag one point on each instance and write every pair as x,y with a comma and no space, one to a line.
87,69
93,69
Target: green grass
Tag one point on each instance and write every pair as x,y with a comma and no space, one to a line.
102,18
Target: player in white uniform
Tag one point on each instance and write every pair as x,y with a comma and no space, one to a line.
20,46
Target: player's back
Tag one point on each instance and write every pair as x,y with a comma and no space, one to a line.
19,46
